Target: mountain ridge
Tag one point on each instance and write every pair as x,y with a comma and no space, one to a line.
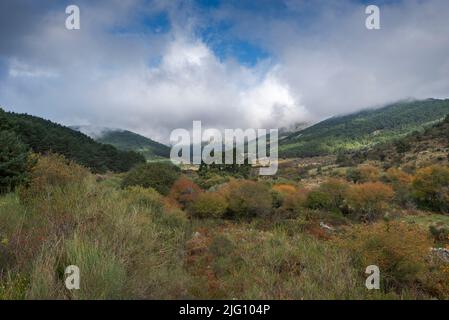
45,136
126,140
363,128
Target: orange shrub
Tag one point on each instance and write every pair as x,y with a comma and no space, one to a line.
397,176
370,199
364,173
280,192
293,204
399,250
184,191
285,189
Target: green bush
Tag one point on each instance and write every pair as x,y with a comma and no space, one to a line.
317,199
249,199
157,175
144,197
330,195
439,232
209,205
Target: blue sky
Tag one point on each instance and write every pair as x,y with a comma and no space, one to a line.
151,65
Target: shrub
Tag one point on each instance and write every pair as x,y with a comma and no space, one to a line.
144,197
157,175
211,180
329,195
280,192
397,176
285,188
363,173
13,161
431,188
402,183
50,172
249,199
402,146
399,250
439,232
369,200
293,204
317,199
209,205
184,191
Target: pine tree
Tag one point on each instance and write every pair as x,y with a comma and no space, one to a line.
13,161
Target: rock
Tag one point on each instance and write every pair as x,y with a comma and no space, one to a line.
327,227
441,253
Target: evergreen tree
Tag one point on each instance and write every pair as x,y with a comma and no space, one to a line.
13,161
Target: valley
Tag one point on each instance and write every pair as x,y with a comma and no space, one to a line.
152,230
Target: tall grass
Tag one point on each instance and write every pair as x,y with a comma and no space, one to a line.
131,244
123,245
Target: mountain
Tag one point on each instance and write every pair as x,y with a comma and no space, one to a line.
363,129
126,141
44,136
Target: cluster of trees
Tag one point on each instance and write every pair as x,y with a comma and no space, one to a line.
43,136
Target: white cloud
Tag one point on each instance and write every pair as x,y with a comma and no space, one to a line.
153,83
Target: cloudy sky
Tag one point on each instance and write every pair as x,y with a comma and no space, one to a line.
152,66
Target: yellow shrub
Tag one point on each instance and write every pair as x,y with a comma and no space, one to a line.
370,199
52,171
431,188
209,205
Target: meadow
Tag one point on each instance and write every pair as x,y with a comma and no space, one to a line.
160,233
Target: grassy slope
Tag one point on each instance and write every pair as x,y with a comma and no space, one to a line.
362,129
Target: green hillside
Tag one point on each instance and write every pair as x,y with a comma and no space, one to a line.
44,136
363,129
130,141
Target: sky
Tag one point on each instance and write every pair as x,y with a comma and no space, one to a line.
153,66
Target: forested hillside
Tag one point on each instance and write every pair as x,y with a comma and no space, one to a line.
363,129
428,146
130,141
44,136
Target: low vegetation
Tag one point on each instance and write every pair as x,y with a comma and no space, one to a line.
159,232
242,239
